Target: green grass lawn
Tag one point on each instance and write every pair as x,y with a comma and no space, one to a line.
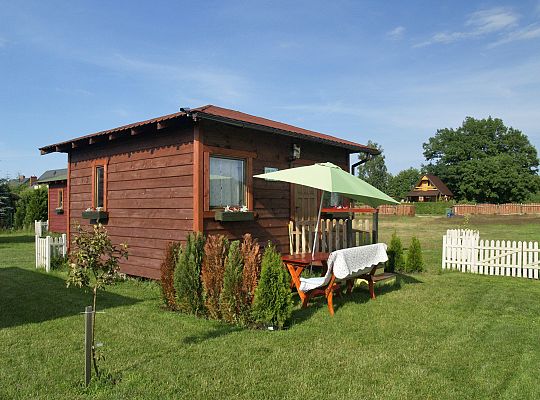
432,335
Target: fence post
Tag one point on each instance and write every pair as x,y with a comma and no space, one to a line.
88,345
64,244
375,233
48,253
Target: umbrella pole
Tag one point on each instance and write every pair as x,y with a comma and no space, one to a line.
315,236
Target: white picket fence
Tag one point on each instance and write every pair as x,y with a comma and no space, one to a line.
334,234
48,247
40,227
463,250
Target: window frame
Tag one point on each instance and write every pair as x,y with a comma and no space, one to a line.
218,152
95,165
60,200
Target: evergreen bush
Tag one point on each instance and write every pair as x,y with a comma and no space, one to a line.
215,251
396,261
251,255
231,294
273,299
168,266
414,256
187,275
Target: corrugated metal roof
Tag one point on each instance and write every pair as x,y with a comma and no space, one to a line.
227,116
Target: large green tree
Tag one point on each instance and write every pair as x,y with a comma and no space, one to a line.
374,171
484,161
7,205
403,182
31,206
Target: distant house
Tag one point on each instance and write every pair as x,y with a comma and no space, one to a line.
56,180
430,188
21,180
154,181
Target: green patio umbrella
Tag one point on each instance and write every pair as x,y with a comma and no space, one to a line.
329,177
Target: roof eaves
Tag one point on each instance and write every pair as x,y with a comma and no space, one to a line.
244,124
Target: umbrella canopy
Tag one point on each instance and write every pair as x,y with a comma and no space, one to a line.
331,178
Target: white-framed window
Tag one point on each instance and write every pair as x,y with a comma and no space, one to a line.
227,182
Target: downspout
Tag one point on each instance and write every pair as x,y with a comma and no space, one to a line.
368,156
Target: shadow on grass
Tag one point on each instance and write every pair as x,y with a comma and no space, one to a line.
358,295
31,297
14,238
219,331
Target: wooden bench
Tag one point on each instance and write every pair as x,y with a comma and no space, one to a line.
328,284
372,278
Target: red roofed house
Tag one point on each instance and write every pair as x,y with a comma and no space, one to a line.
430,188
155,181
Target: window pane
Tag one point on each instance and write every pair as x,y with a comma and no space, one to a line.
226,182
99,187
61,198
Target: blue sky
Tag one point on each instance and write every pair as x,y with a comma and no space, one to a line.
392,72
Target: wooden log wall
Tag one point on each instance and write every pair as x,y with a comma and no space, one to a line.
271,200
57,222
149,193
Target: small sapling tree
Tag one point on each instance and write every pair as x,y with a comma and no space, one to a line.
414,257
94,265
396,261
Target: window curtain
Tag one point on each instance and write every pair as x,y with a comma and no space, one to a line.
226,182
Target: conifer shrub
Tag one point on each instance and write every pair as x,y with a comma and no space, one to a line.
187,275
273,299
414,257
215,252
231,293
251,255
396,260
168,294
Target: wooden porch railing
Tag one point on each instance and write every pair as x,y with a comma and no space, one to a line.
334,234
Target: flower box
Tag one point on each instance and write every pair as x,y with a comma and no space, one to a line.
59,210
95,215
230,216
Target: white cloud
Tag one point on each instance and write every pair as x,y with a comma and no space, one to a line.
396,33
491,20
529,32
480,23
212,83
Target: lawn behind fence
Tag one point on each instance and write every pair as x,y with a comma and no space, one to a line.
433,335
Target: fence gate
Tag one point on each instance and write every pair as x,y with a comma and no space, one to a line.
48,247
464,251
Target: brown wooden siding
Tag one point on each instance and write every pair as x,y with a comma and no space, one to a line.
271,199
57,222
149,193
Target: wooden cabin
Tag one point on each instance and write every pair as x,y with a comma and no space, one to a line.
56,180
155,181
430,188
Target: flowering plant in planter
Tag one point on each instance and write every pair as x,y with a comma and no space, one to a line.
233,213
97,214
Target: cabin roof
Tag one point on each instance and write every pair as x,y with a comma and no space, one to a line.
219,114
53,175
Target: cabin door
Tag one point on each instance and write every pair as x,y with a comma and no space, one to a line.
306,201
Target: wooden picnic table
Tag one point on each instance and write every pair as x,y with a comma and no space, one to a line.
296,263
